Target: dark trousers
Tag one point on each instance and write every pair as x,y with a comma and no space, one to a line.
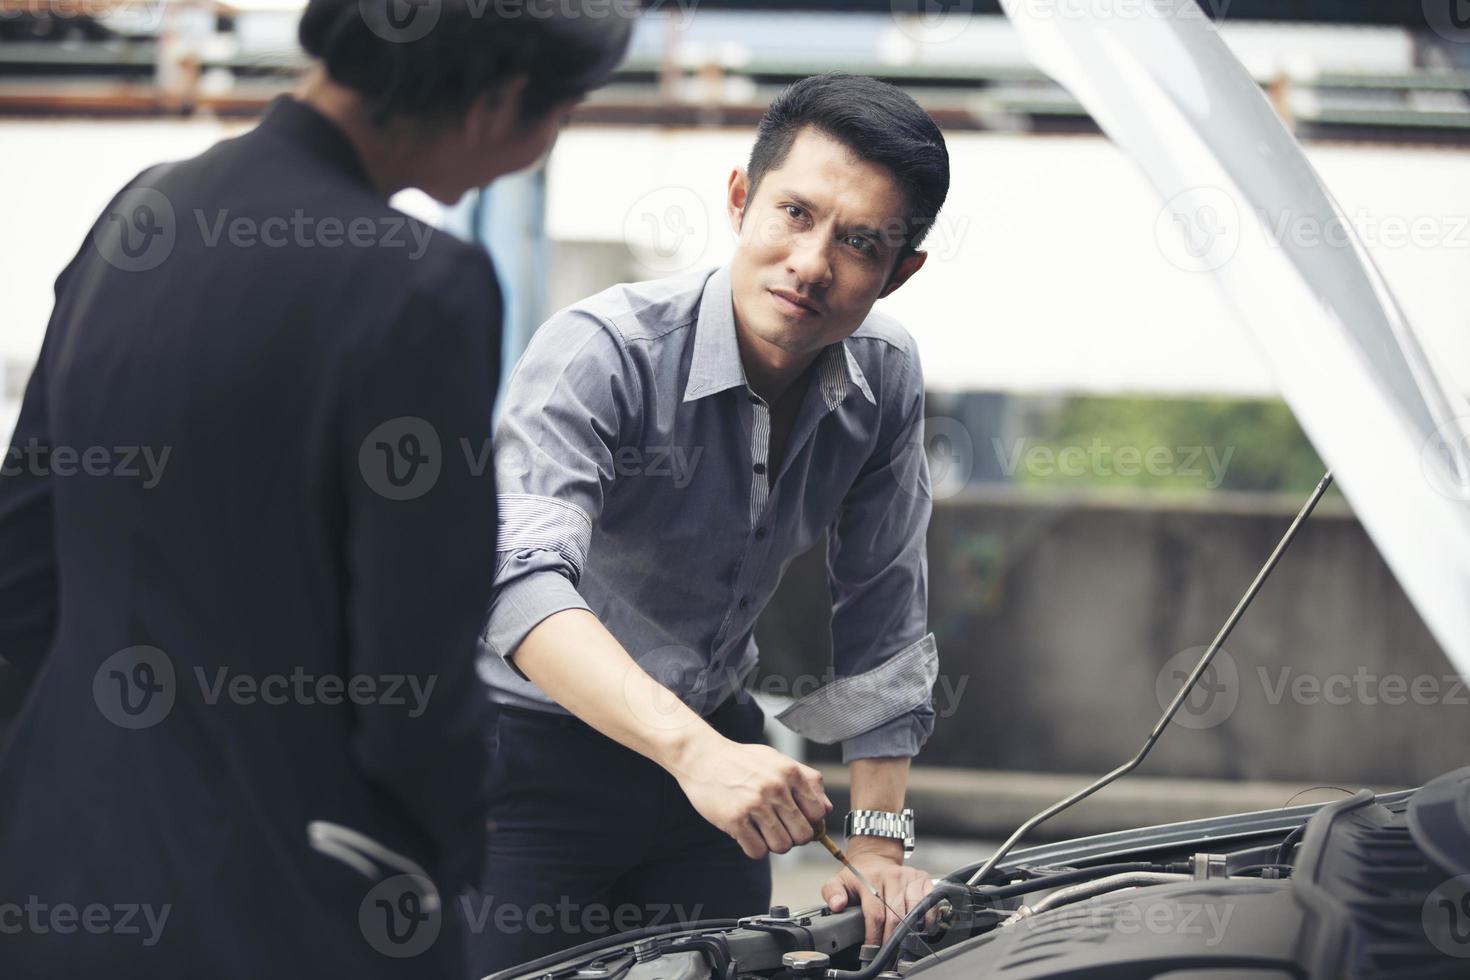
588,838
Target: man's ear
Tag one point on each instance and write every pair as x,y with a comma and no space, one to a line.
903,271
736,196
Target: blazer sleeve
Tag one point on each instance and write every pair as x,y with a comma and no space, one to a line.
420,527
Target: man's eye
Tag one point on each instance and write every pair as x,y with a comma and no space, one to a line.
792,211
860,243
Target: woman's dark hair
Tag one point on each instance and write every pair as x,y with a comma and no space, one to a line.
433,58
878,122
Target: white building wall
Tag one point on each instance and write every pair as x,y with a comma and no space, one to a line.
1046,272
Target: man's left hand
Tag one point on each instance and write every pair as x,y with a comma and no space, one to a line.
881,861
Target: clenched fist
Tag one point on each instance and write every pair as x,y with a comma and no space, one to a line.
758,796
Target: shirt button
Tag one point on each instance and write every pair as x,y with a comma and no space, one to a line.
759,467
760,533
744,601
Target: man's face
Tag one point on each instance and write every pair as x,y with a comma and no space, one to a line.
818,245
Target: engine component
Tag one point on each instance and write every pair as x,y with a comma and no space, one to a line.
1365,888
806,962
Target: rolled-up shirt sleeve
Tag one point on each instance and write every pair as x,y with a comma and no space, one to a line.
884,658
571,397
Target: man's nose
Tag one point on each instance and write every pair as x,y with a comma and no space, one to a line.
809,260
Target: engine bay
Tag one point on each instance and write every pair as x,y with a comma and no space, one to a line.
1365,887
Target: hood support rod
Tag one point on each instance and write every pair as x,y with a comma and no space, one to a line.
1169,712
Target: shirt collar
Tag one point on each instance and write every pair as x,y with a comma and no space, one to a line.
715,364
302,125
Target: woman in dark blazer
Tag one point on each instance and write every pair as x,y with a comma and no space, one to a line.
247,524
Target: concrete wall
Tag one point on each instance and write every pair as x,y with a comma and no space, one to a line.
1056,619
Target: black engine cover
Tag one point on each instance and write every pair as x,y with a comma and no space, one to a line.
1211,929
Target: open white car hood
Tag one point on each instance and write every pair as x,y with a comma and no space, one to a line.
1158,79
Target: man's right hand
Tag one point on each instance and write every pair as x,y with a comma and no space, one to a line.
758,796
755,794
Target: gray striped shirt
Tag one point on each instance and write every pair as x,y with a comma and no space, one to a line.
631,458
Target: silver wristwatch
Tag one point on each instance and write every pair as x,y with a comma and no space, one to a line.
880,823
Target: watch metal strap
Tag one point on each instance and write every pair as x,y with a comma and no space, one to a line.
881,823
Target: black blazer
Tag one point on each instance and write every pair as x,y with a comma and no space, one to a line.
247,537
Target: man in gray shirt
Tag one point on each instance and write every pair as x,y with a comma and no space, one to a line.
667,448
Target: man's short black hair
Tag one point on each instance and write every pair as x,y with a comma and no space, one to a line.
878,122
433,58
